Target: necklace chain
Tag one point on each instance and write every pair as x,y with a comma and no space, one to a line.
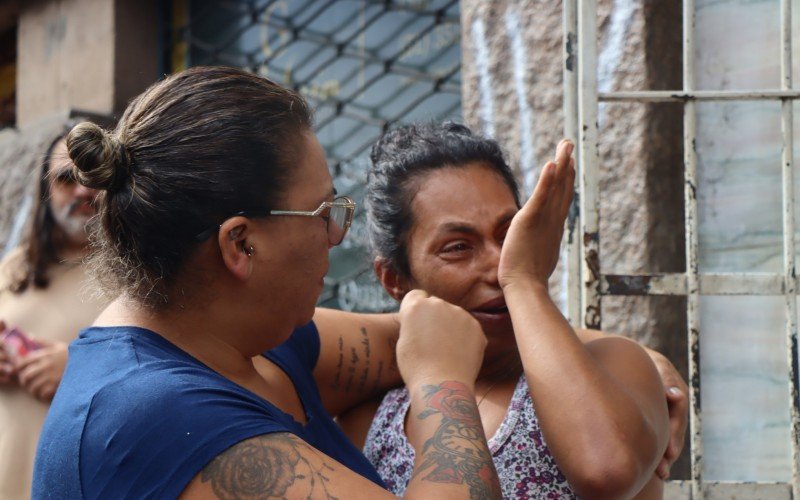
501,377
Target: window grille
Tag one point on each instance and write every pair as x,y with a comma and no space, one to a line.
587,282
365,66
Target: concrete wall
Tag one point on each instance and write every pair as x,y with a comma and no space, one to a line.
66,59
88,55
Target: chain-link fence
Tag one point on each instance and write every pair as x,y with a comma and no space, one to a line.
365,66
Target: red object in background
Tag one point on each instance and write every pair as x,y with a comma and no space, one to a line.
17,344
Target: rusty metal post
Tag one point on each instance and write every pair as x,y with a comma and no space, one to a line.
692,280
790,278
572,263
590,158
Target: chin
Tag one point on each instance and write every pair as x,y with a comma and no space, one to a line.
495,326
306,316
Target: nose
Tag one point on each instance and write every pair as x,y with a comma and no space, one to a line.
492,262
84,192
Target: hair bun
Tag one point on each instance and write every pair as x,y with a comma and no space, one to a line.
101,159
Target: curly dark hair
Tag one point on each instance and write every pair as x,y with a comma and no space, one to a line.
400,157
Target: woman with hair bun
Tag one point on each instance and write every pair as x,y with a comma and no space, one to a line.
206,376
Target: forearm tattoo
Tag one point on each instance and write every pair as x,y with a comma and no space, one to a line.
356,370
267,467
457,453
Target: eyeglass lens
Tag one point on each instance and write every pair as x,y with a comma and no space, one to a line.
337,224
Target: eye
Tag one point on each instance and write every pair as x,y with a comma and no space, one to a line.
64,176
455,247
501,236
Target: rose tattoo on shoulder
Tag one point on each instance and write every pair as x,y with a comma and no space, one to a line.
266,466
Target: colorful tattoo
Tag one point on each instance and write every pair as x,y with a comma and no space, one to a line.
266,467
457,453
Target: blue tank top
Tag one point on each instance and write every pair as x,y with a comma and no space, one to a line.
136,417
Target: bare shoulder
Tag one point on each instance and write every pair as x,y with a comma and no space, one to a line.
276,465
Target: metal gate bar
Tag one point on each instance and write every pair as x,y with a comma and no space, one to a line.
692,283
690,224
572,259
790,278
642,96
587,145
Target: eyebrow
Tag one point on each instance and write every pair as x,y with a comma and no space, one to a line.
463,227
60,173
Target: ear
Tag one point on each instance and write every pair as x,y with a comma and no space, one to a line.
236,247
391,280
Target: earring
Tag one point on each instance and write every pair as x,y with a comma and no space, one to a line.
249,251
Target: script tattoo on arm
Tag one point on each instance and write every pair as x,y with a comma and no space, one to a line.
356,370
457,453
265,467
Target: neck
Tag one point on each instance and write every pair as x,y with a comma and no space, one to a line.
501,367
194,331
69,250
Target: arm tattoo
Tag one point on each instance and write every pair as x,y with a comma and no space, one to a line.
353,372
362,382
266,467
457,452
337,378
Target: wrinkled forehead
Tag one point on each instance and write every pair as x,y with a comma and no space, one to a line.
472,194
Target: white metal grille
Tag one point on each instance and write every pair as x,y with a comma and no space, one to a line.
587,283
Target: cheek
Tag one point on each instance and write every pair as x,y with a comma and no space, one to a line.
445,280
58,199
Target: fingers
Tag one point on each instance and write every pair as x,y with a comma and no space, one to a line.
7,372
662,471
563,156
568,189
677,403
411,298
42,388
30,359
30,372
541,192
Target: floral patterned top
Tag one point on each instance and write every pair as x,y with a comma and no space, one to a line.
524,464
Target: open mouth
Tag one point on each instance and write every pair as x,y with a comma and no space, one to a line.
495,308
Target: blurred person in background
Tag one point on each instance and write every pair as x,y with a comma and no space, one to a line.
40,296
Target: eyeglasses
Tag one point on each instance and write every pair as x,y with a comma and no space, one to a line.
338,214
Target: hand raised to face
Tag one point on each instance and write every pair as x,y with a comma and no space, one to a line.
438,341
531,247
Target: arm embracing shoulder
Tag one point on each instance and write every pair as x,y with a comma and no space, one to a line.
278,465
